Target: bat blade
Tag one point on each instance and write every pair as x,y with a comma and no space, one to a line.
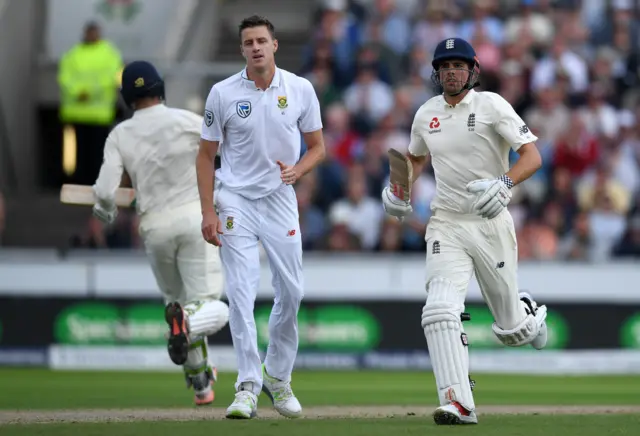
84,195
401,174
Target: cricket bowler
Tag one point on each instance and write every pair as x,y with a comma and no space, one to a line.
157,148
468,135
256,118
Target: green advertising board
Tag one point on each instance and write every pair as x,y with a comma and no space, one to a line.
328,328
630,332
105,324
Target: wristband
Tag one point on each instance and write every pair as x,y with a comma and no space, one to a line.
507,181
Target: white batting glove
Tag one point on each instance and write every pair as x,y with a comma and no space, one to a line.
394,206
492,195
106,215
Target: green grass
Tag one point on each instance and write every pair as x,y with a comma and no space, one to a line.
35,389
42,389
594,425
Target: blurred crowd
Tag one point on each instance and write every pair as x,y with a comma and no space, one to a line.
570,68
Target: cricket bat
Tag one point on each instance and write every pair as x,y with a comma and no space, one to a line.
84,195
401,174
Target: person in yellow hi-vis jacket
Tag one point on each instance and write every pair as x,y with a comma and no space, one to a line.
89,78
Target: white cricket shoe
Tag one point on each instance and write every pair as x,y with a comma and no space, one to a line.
531,307
281,395
245,406
454,414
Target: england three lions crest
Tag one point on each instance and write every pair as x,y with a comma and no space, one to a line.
243,109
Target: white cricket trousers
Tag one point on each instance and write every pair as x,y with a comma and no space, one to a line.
186,267
459,245
272,220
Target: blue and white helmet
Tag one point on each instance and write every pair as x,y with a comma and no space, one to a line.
456,48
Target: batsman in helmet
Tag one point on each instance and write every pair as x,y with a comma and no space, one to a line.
468,135
157,147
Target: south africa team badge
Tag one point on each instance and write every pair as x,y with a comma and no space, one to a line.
282,102
229,223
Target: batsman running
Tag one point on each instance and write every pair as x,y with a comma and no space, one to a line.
256,117
157,147
468,135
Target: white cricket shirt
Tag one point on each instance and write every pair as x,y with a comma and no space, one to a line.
256,128
467,142
158,148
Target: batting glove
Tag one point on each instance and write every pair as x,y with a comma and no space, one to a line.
492,195
106,215
394,206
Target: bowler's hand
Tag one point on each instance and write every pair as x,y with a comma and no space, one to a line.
492,196
287,173
211,228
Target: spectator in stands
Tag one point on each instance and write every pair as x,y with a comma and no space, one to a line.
340,237
342,32
561,60
312,221
434,26
600,189
530,26
395,29
537,240
363,214
89,76
548,115
576,245
629,244
600,118
323,73
483,20
607,226
93,236
375,163
369,99
391,235
577,148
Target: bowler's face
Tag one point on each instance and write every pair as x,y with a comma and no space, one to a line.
258,47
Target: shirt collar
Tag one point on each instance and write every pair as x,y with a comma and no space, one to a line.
466,100
275,83
149,110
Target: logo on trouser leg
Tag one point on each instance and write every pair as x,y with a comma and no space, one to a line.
450,395
229,224
435,247
463,338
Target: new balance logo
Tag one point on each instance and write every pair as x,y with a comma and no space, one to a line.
523,130
471,122
435,248
500,265
449,44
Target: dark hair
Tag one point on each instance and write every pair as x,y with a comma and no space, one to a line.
256,21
